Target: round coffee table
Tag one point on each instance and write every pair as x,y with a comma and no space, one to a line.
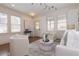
46,46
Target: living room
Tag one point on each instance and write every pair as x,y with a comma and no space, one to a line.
43,26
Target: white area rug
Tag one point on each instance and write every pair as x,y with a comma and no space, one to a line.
36,51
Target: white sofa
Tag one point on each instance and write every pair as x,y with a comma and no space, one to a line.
71,39
66,51
69,45
19,45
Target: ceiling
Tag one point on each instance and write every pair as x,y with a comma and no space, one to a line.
36,8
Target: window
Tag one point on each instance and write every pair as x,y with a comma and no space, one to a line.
37,25
62,23
3,23
50,25
15,24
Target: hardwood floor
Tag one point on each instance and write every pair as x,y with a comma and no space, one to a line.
4,49
32,39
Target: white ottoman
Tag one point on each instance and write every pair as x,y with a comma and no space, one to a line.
19,45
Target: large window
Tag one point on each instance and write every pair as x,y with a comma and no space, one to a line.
3,23
50,25
62,23
15,24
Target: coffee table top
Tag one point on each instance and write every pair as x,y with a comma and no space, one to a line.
42,42
46,45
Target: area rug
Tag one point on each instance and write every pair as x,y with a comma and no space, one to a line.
34,50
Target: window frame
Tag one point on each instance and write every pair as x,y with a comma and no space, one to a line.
5,23
62,20
15,24
50,23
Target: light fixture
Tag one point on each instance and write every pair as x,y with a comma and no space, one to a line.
13,5
46,6
32,14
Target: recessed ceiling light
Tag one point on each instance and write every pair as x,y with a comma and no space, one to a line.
32,14
13,5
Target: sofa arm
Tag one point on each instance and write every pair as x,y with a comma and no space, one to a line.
66,51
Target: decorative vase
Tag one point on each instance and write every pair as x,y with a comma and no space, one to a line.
45,39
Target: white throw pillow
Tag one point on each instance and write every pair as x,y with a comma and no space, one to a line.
71,38
76,40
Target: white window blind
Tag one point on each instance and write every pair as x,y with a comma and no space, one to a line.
3,23
62,24
15,24
50,25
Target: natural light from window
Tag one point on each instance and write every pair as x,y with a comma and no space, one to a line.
62,23
37,25
3,23
50,25
15,24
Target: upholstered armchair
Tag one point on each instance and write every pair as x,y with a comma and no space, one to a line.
19,45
